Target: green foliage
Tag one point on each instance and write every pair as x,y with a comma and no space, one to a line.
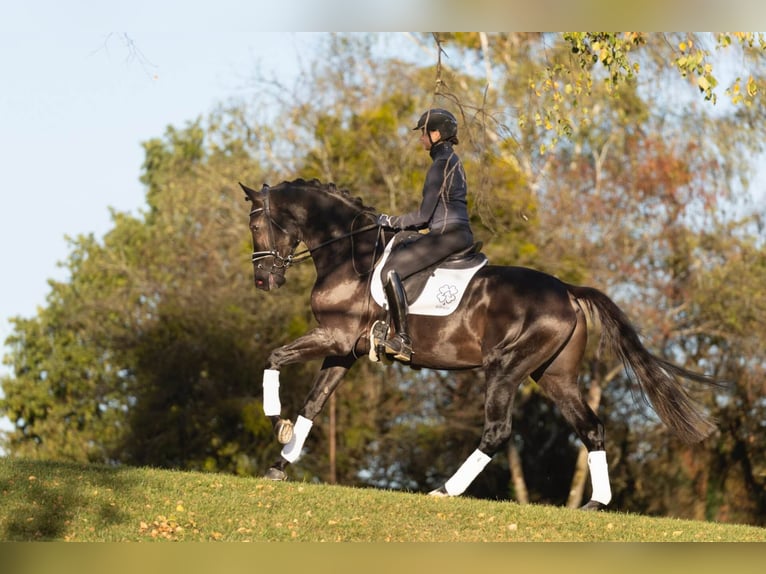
609,49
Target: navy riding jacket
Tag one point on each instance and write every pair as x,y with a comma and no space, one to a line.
444,194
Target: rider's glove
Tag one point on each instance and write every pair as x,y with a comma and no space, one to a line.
384,220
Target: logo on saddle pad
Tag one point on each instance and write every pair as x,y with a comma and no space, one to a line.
443,289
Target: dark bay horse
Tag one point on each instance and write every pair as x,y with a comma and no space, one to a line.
513,323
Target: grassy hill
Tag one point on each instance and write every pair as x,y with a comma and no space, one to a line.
68,502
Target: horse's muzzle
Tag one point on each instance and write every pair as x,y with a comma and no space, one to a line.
267,281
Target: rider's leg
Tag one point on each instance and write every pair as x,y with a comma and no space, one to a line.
400,345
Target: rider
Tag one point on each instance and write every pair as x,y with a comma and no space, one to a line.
442,219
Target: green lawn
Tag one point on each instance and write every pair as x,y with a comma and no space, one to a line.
68,502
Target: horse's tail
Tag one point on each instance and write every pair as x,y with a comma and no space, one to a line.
658,379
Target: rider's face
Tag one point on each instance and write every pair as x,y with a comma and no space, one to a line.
427,142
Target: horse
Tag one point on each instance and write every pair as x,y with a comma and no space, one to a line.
514,323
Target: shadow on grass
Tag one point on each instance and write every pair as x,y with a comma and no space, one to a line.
47,500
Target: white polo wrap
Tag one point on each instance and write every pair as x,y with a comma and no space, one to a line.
599,476
467,472
271,404
292,449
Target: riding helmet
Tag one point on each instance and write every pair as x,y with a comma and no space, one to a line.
439,119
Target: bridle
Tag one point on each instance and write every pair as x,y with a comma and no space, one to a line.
281,263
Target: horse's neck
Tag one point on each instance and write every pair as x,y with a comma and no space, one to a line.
335,247
326,219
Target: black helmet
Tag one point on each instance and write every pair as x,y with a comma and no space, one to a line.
439,119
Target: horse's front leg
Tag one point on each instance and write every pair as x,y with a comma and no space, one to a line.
327,380
315,344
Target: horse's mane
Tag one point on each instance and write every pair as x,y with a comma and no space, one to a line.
330,189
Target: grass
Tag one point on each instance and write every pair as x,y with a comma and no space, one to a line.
69,502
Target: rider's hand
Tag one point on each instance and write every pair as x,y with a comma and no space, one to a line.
384,220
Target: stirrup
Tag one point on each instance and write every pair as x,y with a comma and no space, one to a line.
400,347
378,334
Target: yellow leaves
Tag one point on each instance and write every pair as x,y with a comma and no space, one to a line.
739,95
173,528
745,39
162,528
693,62
752,88
603,52
181,525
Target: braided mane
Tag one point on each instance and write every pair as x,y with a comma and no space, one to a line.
330,189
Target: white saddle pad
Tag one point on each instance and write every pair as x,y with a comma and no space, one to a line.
441,295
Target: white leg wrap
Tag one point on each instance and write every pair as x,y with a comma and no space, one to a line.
292,449
468,471
271,404
599,476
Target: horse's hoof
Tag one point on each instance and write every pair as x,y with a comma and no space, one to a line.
275,474
441,492
593,505
284,431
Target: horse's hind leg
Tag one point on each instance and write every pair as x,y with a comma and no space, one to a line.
559,381
506,368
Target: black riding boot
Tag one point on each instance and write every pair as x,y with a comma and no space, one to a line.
400,345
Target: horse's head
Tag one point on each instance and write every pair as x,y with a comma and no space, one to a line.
273,244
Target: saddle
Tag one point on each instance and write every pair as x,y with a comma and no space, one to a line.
468,258
438,289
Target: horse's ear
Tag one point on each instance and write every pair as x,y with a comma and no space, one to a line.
249,193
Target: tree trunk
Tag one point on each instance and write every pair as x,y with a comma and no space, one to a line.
517,474
333,478
578,480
